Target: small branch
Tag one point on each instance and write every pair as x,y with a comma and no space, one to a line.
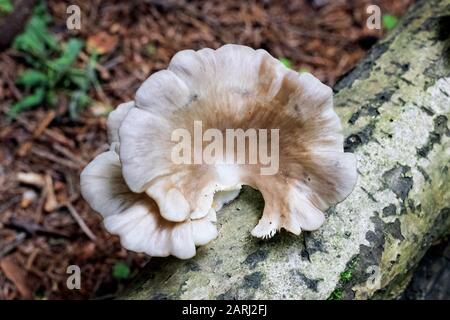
46,155
6,249
80,222
30,227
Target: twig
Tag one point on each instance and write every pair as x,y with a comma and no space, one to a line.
40,127
44,123
59,137
31,259
80,222
17,94
32,228
85,58
69,154
46,155
113,62
31,178
50,202
4,206
11,246
68,176
68,201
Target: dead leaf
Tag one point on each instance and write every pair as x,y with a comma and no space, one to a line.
87,251
16,275
101,43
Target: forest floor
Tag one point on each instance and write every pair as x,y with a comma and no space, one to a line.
45,225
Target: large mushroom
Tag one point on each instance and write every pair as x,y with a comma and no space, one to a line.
135,216
234,87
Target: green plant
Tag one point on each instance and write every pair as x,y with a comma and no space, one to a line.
51,67
337,294
389,21
347,274
287,63
6,6
121,271
344,278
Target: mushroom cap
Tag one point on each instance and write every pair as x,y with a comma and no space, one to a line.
233,87
135,217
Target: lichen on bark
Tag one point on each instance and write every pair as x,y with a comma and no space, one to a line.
394,108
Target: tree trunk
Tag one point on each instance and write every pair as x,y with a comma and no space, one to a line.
394,108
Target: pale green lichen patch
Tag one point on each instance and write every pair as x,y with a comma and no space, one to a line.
406,181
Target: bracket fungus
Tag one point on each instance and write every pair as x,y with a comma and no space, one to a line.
162,206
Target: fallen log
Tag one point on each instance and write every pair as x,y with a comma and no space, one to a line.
394,107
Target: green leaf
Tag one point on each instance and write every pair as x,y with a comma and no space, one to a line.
51,66
29,43
90,69
346,275
337,294
287,63
32,78
41,10
121,271
6,6
78,100
51,98
61,64
38,26
36,38
79,77
27,102
68,56
389,21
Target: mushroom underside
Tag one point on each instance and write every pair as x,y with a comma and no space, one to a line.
163,202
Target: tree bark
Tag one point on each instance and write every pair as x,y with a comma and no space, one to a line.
394,107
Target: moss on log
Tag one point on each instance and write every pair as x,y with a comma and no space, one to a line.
395,108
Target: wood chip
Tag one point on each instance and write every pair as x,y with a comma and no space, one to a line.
50,202
31,178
